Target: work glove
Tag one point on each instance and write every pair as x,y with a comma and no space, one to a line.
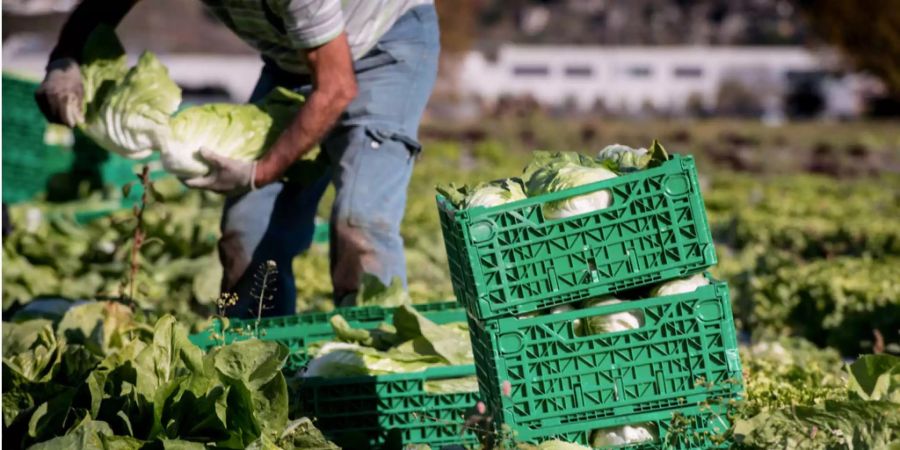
61,95
226,176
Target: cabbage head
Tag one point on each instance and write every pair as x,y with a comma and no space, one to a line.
131,118
560,171
608,323
242,132
680,286
628,434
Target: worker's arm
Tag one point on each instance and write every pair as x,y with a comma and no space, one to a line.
83,20
334,85
61,94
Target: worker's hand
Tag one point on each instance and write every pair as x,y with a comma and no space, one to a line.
226,176
61,94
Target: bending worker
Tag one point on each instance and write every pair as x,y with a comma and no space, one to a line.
370,66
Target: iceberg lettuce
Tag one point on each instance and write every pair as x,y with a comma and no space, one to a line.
131,118
242,132
554,172
680,286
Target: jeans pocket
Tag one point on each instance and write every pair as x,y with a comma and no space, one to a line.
381,174
379,56
407,149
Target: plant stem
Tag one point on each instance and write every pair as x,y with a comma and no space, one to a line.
138,236
262,296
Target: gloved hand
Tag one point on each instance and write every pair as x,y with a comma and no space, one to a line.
227,176
60,96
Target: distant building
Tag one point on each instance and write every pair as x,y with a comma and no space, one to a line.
629,80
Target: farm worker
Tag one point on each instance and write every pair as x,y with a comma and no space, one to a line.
368,67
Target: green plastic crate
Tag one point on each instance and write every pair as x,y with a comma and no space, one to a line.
322,232
390,411
298,331
695,428
684,354
509,260
28,163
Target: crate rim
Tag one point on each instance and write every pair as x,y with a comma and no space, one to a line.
431,373
475,212
715,411
713,288
216,322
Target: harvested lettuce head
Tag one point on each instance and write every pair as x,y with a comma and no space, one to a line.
680,286
132,117
238,131
129,112
627,434
490,194
623,158
609,323
126,110
554,172
242,132
496,193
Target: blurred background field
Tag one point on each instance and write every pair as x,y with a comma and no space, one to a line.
807,227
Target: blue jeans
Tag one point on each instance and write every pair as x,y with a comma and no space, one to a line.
369,158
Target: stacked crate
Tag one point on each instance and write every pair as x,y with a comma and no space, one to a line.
510,267
387,411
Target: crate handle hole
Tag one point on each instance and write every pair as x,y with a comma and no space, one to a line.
481,231
676,185
511,342
709,311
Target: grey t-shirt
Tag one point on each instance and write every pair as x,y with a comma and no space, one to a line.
281,29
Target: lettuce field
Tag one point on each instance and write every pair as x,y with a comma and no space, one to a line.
806,219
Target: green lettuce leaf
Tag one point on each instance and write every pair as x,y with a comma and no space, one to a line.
103,66
875,377
836,424
373,292
431,339
90,435
303,435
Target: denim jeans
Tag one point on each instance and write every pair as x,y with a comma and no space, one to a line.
369,153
